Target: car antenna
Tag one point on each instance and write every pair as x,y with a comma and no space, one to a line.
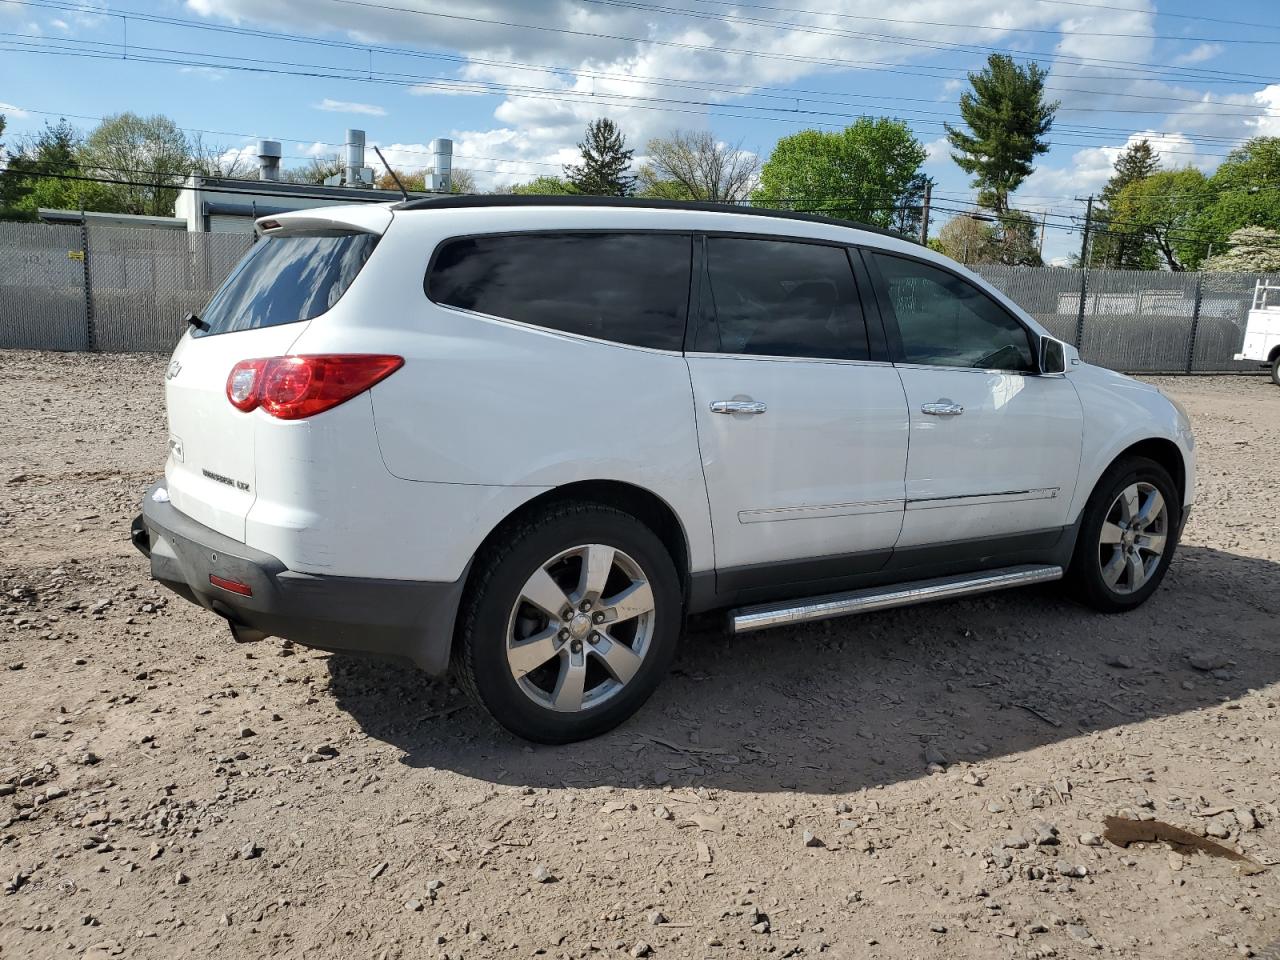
394,175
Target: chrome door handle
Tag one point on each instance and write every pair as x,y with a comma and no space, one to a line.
942,408
738,406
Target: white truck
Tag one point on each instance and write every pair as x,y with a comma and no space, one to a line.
1262,332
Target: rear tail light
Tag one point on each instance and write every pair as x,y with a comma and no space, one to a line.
291,388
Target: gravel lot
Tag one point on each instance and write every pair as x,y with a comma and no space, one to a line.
165,793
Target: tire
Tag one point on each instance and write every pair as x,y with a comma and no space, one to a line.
1104,575
1275,370
553,678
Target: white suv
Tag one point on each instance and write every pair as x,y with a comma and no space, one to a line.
526,437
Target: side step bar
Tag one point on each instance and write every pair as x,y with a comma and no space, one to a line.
765,616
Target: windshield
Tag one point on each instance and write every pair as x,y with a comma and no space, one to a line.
286,280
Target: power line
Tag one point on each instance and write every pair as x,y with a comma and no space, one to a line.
489,85
661,104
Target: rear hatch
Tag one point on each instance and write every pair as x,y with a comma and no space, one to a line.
295,273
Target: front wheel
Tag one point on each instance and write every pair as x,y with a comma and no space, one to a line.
570,623
1127,536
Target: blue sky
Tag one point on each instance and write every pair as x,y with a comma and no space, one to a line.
513,82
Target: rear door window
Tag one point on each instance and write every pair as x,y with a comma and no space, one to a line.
780,298
286,280
630,288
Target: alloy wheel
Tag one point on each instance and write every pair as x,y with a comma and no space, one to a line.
1135,533
580,628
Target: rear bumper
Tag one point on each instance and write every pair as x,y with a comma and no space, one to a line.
401,618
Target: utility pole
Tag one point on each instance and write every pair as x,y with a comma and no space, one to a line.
924,213
1088,225
1044,218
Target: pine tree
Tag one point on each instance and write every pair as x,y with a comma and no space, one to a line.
605,162
1008,119
1117,244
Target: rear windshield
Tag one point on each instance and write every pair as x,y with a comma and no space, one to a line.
285,280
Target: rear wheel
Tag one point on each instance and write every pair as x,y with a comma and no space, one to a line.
571,622
1127,536
1275,370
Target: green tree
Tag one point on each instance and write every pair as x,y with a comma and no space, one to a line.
1245,191
1008,120
693,165
1117,245
861,173
1018,240
605,162
415,181
544,186
41,174
1249,250
145,158
1163,208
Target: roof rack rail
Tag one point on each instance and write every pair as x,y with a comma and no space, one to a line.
458,201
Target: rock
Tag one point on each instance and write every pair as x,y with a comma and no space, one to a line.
844,807
657,918
1046,834
542,875
379,870
180,878
154,851
1090,840
641,949
662,813
933,756
1078,931
995,806
1207,660
1247,819
1219,830
102,950
246,732
704,852
7,789
414,906
975,777
811,841
1120,662
1066,869
434,885
938,928
250,851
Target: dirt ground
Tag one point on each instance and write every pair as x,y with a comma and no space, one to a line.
166,793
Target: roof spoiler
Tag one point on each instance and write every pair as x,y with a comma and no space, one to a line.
326,221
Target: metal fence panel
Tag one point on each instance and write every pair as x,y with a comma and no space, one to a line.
1051,296
42,304
144,282
1225,299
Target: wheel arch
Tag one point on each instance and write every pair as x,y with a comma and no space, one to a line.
1274,354
647,507
1162,451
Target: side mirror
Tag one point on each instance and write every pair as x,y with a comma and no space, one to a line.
1053,356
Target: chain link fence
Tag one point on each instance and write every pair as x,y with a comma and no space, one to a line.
124,289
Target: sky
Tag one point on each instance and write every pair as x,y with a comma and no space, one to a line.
514,82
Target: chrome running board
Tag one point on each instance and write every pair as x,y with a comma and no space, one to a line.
765,616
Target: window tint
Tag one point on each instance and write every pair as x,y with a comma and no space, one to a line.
628,287
286,279
947,322
781,299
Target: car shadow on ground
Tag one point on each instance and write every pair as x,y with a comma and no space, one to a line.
848,704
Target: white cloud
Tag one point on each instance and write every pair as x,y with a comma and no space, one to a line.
1200,53
208,73
347,106
13,112
59,24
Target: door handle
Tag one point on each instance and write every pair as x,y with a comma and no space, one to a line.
942,408
738,406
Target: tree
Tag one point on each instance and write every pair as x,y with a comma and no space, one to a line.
1008,119
41,174
908,216
693,165
217,161
605,162
460,180
1163,208
316,170
544,186
1249,250
862,173
968,239
1117,245
147,158
1245,191
1017,240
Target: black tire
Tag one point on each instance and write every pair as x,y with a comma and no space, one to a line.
1275,370
489,608
1086,573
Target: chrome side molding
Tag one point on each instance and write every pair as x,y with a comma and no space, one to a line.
765,616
